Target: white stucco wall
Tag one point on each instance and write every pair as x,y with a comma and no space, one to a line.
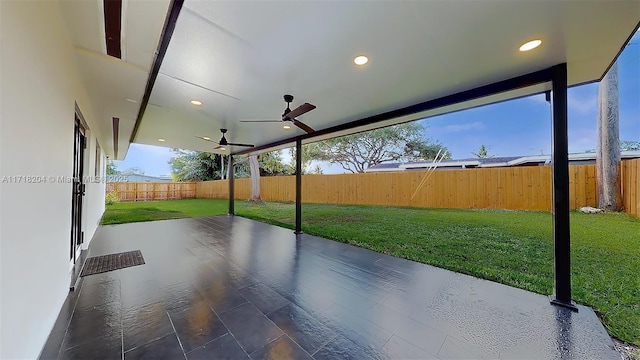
39,86
94,197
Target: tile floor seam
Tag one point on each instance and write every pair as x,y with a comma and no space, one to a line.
323,345
210,341
267,344
441,345
389,339
73,312
177,337
147,343
278,327
231,332
235,307
81,343
121,325
284,332
272,311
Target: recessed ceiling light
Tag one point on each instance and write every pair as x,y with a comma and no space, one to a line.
361,60
222,148
206,138
162,140
196,102
132,100
286,126
530,45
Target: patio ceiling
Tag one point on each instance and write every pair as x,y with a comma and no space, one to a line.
110,81
240,58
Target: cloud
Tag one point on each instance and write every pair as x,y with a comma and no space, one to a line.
582,139
582,104
461,127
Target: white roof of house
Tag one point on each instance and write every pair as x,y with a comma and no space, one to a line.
490,162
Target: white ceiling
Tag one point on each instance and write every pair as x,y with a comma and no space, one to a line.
109,81
240,57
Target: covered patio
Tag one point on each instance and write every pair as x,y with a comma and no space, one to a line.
181,74
229,287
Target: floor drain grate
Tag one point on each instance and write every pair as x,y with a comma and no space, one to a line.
100,264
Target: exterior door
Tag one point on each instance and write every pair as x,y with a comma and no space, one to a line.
77,192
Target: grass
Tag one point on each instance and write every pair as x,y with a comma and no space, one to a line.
510,247
127,212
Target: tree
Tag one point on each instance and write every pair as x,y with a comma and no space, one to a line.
271,164
306,160
265,164
195,166
358,152
608,147
483,152
112,169
629,145
255,178
317,170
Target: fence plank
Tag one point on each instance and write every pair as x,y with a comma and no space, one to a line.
527,188
148,191
630,171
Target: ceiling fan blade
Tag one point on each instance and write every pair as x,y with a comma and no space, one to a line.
245,145
264,121
205,139
303,126
302,109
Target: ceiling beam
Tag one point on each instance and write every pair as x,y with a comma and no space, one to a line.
165,38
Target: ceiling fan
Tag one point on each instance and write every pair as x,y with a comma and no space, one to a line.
289,116
223,143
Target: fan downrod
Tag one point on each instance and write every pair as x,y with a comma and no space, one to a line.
288,99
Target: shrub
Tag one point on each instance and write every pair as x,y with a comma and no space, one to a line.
111,198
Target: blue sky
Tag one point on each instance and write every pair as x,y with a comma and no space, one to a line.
517,127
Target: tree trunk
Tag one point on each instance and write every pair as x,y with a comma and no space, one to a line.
608,150
222,173
255,178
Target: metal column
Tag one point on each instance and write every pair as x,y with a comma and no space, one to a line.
561,229
230,176
298,186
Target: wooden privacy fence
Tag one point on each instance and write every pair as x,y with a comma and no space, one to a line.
630,171
517,188
147,191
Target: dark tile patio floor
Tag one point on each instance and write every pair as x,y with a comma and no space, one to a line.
232,288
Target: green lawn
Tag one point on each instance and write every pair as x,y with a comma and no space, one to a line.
127,212
511,247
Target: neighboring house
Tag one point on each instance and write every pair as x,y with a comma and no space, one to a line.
138,178
505,161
